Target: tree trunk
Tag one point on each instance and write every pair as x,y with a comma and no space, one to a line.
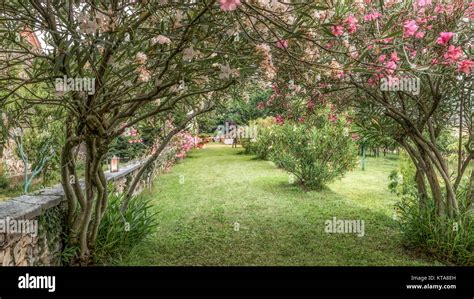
420,182
92,198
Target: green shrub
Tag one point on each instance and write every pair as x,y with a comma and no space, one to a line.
4,180
261,145
402,180
316,151
115,238
450,240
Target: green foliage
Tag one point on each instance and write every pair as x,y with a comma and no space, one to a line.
402,180
373,129
447,142
4,181
242,111
40,145
450,240
126,151
316,151
260,147
115,237
122,148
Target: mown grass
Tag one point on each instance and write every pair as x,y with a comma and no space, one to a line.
203,197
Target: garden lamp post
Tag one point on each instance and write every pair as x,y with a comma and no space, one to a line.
114,164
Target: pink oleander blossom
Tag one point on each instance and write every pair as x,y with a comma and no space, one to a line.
282,44
394,57
423,3
372,16
410,28
229,5
337,30
466,66
453,54
419,34
332,117
444,38
351,23
279,119
390,66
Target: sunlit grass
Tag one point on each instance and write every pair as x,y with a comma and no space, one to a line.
202,198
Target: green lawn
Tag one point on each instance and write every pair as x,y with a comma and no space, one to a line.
279,223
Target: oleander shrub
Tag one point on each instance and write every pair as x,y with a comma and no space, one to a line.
447,239
261,144
316,149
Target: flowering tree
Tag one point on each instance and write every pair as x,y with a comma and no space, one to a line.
409,61
173,61
112,64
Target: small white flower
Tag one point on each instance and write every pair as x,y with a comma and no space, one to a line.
141,58
161,39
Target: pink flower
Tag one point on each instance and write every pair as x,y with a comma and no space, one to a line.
422,3
420,34
371,81
382,58
270,100
439,8
391,66
372,16
410,28
337,30
229,5
394,57
260,106
453,54
310,105
275,88
282,44
332,117
444,38
470,11
280,120
351,24
301,119
466,66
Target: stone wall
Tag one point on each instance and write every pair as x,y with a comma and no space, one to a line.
47,208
